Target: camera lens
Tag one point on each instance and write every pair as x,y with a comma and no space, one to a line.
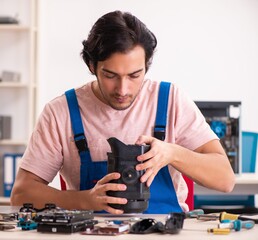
130,175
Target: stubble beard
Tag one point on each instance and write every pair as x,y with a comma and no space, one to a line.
118,106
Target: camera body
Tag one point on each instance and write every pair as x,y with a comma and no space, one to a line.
123,159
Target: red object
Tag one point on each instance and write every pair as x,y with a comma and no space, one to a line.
190,198
62,183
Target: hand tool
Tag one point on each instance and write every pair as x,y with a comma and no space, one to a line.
237,225
229,216
194,213
208,217
218,230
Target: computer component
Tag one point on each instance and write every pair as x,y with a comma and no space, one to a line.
64,221
224,120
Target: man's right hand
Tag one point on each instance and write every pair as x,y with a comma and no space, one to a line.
99,198
30,188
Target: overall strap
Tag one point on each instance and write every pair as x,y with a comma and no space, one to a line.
162,181
161,115
79,136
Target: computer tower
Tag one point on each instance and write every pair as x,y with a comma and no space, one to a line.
224,119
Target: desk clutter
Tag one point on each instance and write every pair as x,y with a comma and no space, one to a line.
48,219
52,219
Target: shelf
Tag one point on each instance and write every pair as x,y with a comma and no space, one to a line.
18,54
10,142
13,85
14,27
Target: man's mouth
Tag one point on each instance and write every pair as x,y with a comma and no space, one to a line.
121,99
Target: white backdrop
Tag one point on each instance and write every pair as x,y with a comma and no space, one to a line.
208,47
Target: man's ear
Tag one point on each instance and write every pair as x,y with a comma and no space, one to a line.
92,68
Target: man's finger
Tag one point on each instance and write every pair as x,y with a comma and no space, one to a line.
109,177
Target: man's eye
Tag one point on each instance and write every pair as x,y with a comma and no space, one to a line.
134,76
109,76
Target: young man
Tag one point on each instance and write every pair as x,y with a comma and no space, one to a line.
120,103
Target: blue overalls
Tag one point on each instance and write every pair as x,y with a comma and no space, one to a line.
163,198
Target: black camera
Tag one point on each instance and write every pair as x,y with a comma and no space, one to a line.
123,159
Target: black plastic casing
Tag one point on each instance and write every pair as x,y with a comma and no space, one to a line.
123,159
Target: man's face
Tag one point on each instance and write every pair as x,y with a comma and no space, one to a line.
120,78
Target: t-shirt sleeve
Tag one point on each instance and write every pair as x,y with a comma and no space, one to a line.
191,128
43,156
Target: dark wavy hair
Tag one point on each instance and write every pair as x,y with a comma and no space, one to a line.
117,32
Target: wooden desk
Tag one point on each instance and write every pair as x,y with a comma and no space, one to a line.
193,229
246,184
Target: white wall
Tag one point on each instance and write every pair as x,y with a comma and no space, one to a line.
208,47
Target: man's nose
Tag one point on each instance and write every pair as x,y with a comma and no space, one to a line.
122,86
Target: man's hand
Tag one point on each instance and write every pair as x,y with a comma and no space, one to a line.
29,188
100,200
206,165
156,158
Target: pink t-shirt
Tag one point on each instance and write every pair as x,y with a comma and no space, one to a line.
51,148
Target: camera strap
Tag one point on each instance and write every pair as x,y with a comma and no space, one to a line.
161,115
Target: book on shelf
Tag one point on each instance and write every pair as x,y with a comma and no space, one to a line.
10,165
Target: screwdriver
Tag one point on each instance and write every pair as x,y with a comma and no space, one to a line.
207,217
218,230
237,225
194,213
229,216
